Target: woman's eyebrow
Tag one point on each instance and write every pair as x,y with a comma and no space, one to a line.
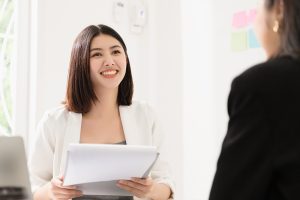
95,49
100,49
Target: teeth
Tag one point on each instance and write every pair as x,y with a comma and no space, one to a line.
111,72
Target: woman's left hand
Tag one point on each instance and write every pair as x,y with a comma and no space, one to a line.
139,187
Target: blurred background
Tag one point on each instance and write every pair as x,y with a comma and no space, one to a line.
184,55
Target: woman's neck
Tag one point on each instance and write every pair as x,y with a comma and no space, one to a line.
106,106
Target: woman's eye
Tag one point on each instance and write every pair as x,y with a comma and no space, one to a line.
96,54
115,52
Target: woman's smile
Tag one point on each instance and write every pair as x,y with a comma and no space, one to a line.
110,73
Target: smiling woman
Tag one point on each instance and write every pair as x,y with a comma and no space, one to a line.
7,40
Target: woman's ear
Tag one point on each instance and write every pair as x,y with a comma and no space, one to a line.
276,15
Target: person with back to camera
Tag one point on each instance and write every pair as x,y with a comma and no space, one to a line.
260,156
98,109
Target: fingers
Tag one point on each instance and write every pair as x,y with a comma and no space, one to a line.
137,186
144,181
59,191
65,194
59,183
135,191
132,184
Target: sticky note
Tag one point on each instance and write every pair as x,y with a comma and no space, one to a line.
239,41
251,16
252,39
240,20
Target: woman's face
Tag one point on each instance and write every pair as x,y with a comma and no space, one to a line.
107,62
265,20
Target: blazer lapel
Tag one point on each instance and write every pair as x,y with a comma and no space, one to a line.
72,135
130,126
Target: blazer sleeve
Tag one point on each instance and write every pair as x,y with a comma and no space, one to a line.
161,170
41,155
244,166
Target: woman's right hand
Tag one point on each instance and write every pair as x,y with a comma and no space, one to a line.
56,190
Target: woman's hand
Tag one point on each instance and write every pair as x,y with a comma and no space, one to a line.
139,187
56,190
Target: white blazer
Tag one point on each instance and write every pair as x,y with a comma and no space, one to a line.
60,127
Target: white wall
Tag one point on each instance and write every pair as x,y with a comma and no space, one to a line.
169,81
198,100
156,65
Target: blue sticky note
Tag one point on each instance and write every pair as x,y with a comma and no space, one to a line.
252,39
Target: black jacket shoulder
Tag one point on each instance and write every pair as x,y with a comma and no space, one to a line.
275,75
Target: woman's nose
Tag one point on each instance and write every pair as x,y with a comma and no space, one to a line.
109,61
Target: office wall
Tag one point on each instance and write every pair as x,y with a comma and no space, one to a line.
198,119
156,65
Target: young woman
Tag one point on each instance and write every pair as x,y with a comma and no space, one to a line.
260,157
98,109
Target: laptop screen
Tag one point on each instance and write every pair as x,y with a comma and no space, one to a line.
14,178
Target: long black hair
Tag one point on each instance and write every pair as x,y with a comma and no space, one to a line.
80,92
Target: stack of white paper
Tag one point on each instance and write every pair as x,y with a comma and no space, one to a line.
96,168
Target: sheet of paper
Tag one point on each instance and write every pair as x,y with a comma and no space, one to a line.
91,165
102,188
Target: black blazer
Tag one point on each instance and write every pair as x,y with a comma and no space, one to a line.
260,157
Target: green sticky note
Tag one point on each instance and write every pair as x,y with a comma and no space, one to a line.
239,41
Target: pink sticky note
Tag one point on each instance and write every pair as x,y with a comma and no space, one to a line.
251,16
240,19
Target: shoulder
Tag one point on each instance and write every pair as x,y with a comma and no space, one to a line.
55,115
139,106
139,109
268,75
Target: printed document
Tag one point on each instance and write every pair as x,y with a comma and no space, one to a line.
96,168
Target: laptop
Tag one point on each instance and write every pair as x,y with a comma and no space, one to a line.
14,177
